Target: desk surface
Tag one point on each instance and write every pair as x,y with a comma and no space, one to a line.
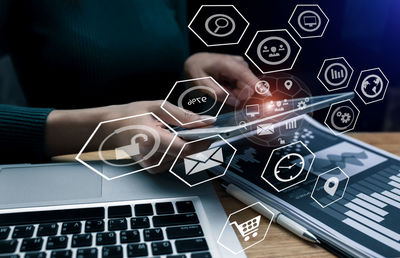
280,242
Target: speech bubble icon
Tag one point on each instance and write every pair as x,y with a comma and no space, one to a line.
331,185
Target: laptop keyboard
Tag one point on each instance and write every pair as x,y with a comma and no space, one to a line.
166,228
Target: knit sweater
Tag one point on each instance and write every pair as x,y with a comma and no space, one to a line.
85,53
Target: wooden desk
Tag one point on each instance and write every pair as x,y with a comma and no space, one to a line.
280,242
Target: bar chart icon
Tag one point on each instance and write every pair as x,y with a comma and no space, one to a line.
337,74
291,124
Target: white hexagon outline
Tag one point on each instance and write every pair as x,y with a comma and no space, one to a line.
77,157
228,220
222,44
279,70
316,182
212,178
358,80
189,80
331,59
282,147
347,130
294,28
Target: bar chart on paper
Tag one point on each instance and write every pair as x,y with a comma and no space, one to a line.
372,207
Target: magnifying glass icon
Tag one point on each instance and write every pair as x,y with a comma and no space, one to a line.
221,23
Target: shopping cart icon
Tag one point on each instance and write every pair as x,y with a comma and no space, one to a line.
248,228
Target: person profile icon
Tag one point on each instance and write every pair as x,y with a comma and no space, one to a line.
274,52
281,48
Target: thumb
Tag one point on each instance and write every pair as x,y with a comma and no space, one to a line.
186,117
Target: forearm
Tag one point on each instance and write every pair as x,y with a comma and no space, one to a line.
68,130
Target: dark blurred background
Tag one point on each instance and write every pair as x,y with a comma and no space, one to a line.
366,33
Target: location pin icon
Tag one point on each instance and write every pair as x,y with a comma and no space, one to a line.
331,185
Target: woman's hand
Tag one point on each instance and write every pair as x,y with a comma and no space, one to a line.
232,72
68,130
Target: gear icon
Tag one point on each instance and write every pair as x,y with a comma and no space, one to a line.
301,105
345,118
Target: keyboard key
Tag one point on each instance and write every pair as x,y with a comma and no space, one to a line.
71,227
94,226
143,209
185,206
130,236
153,234
81,240
175,220
4,232
201,255
112,251
57,242
140,222
86,253
61,254
159,248
49,229
108,238
117,224
10,256
37,217
191,245
31,244
120,211
35,255
8,246
23,231
177,256
136,250
164,208
184,232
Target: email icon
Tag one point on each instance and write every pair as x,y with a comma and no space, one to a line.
192,169
204,160
265,129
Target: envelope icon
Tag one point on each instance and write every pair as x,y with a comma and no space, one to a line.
203,160
265,129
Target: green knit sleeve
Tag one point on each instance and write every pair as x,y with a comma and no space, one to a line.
22,134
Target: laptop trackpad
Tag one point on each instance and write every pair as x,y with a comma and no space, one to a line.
44,183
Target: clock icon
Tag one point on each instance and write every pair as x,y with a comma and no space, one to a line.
289,167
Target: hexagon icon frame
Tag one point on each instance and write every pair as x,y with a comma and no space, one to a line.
347,130
212,178
308,169
308,5
219,44
132,172
278,70
259,241
190,80
360,95
349,74
316,182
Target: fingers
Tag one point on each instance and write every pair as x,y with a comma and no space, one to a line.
239,72
166,138
184,116
235,71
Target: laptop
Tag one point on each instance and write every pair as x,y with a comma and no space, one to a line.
66,210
